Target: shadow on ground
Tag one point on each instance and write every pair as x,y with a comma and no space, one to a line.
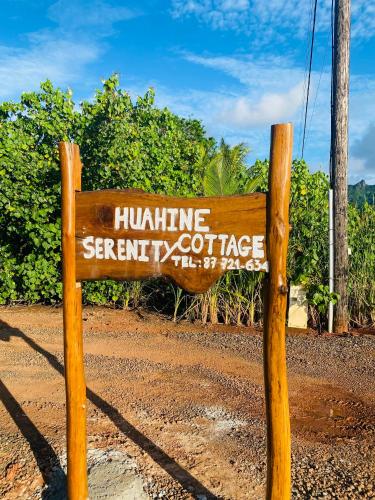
46,458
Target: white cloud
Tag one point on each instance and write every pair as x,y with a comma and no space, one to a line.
362,161
96,14
268,90
238,5
58,60
250,118
261,72
262,19
363,19
269,20
270,108
358,171
272,89
63,53
238,116
220,14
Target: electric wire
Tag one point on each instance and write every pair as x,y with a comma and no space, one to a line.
309,78
306,66
324,65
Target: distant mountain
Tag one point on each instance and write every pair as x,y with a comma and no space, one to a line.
361,192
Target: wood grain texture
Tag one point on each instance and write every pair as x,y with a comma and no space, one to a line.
91,217
340,162
275,373
235,215
73,345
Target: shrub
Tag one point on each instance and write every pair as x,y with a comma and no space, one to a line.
133,144
123,144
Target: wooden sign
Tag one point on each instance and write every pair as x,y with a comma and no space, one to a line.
132,235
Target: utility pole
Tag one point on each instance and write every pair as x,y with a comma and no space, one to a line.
339,174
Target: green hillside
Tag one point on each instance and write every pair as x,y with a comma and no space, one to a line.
361,192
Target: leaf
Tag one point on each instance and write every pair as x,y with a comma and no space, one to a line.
222,172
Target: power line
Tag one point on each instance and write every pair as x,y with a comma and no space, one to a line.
306,65
309,79
324,64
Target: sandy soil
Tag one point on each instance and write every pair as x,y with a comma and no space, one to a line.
177,411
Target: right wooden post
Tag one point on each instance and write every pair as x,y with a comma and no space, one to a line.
275,372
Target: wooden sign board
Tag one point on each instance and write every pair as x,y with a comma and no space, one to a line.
128,235
131,235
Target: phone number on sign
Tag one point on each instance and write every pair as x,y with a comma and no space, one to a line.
229,264
226,264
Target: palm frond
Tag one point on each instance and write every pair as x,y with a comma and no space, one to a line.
252,184
221,172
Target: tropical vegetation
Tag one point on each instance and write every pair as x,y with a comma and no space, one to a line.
131,143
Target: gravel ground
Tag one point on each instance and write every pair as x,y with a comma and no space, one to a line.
177,411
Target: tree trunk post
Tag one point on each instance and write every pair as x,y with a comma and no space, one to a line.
340,161
73,343
275,373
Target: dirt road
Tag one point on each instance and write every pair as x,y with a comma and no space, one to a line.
177,411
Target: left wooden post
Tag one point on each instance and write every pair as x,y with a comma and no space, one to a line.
75,385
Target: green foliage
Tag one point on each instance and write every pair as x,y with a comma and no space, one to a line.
137,145
225,173
232,298
361,193
123,144
30,192
308,248
320,297
308,252
308,242
133,144
362,264
259,171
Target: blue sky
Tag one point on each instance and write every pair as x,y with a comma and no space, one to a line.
238,65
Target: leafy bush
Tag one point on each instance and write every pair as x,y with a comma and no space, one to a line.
124,144
137,145
127,144
30,192
308,251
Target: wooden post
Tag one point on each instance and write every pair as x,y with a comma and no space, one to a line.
340,161
73,343
275,376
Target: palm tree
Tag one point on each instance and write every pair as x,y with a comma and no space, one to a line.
225,173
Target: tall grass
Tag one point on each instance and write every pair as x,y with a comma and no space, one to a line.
362,265
236,298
